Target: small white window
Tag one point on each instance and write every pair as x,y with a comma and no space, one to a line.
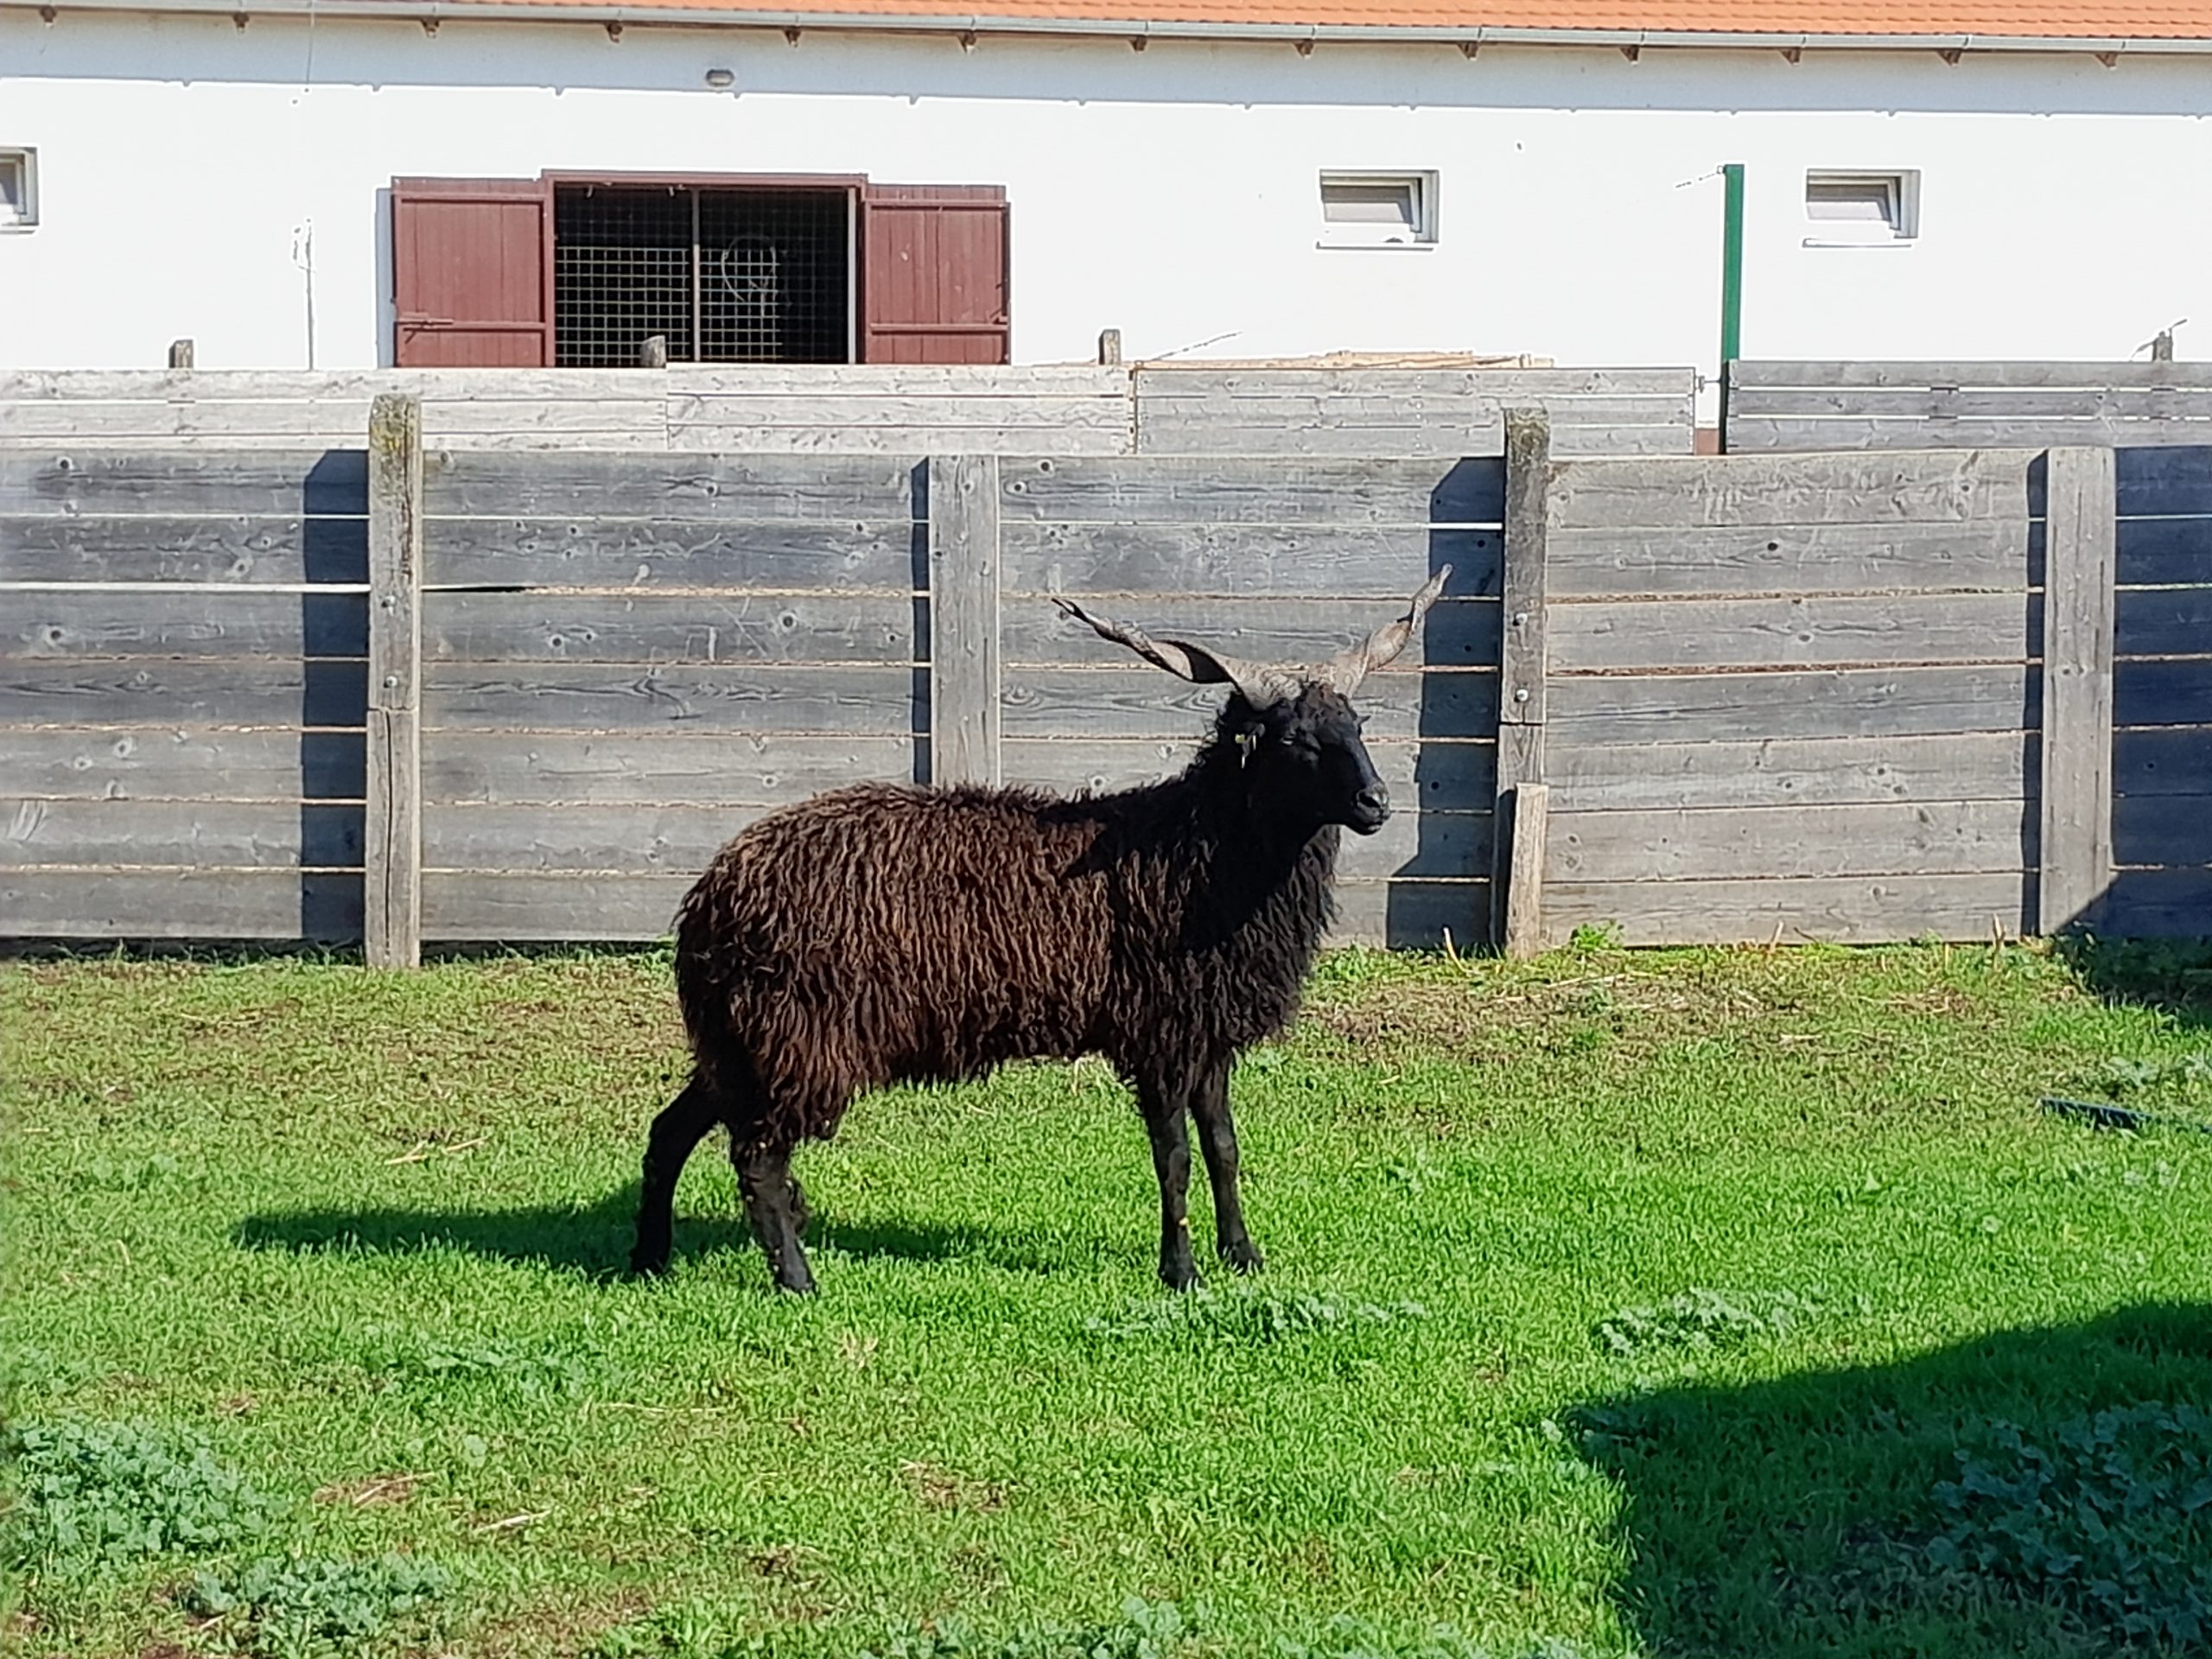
1862,209
18,189
1378,210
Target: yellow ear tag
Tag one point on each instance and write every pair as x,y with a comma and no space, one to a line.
1247,740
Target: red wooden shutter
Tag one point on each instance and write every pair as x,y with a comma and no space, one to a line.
472,273
934,272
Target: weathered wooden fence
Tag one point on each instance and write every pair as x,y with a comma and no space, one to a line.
1141,408
2158,419
1800,697
447,693
185,685
2162,695
1800,407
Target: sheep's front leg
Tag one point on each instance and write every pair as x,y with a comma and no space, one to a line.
1171,1161
1217,1138
777,1211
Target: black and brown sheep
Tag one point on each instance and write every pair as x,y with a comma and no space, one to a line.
888,933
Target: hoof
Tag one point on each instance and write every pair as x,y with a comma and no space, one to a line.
1181,1276
646,1264
798,1284
1244,1257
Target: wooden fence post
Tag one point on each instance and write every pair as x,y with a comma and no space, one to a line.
1517,882
181,354
653,351
2079,536
1110,348
963,491
392,837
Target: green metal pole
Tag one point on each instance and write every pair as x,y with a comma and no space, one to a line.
1732,266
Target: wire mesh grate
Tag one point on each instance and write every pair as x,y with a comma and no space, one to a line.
728,275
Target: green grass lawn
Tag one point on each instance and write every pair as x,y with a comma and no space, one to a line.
1696,1303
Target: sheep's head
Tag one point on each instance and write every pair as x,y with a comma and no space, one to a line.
1294,727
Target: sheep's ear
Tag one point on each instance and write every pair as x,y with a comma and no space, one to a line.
1347,668
1259,684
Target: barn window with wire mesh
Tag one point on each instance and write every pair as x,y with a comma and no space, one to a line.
725,275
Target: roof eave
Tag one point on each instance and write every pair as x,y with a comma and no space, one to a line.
982,23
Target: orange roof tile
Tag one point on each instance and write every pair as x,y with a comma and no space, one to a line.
1992,19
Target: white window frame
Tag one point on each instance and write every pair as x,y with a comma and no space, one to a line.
1421,184
1899,229
24,159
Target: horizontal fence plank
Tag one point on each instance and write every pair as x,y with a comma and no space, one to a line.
2162,552
1084,703
2009,404
1997,766
2169,761
1455,634
465,907
799,556
551,905
1726,491
2166,692
469,484
100,548
679,767
867,382
1251,433
629,840
1846,910
966,438
295,421
314,483
2164,830
532,385
1411,914
1049,416
150,621
1759,374
1791,703
1996,554
592,698
670,629
164,693
674,840
2157,904
1436,776
2163,621
1306,491
246,834
2166,482
1954,838
319,907
1800,632
1751,433
1194,378
184,765
1383,562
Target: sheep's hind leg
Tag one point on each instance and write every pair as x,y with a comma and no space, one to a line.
1217,1138
778,1210
1164,1121
675,1134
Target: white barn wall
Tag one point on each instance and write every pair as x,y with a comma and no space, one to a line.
1170,194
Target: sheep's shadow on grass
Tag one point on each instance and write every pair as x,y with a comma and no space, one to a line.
2028,1492
593,1241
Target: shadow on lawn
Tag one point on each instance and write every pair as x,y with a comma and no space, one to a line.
592,1240
2039,1492
2173,976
